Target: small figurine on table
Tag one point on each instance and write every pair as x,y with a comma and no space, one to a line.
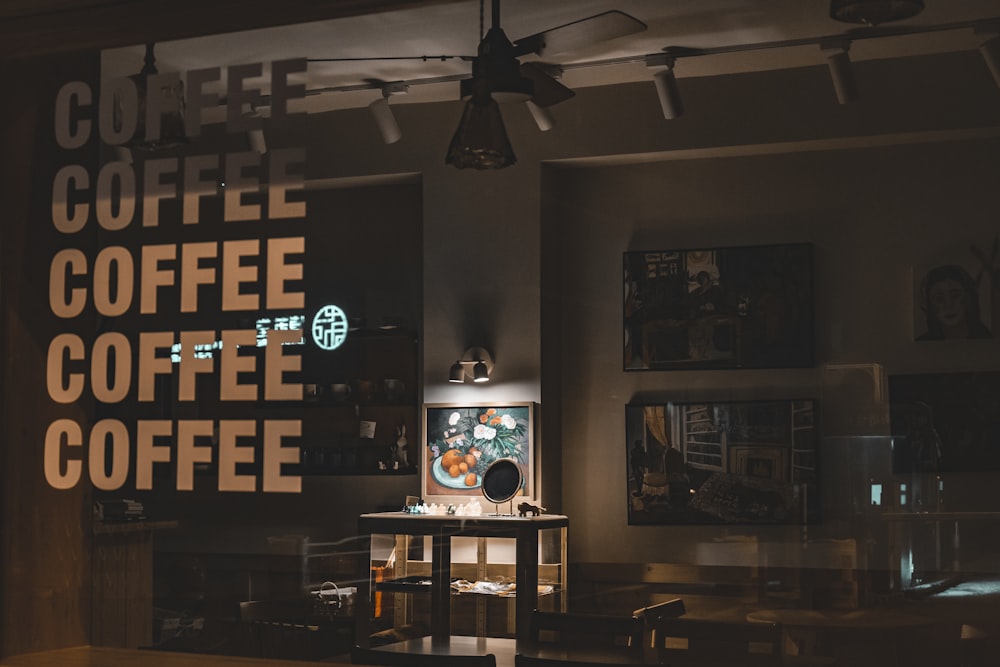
524,509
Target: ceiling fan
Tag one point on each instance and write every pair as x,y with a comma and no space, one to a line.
497,70
498,75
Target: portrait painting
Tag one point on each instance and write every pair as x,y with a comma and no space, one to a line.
957,297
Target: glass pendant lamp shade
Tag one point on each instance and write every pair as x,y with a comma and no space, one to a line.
481,142
874,12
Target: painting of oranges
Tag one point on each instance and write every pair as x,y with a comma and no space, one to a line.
462,442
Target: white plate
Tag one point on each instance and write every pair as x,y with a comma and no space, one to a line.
444,478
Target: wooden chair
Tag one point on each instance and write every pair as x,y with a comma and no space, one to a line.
276,630
688,641
593,640
373,656
691,642
670,608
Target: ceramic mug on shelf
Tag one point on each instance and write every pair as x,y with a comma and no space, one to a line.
365,390
394,389
341,391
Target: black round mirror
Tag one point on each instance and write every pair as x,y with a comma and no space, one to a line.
501,481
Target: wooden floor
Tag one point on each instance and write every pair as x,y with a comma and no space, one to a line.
97,656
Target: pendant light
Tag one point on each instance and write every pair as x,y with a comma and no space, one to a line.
166,128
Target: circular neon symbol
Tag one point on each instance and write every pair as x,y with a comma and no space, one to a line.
329,327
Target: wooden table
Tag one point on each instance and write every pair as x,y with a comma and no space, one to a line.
834,632
505,649
104,656
441,528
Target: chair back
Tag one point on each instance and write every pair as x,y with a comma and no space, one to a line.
279,630
672,608
374,656
579,629
691,641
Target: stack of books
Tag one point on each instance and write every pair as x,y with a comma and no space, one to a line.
121,509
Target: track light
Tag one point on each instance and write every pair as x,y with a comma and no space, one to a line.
543,117
258,144
666,86
481,362
386,122
841,71
991,54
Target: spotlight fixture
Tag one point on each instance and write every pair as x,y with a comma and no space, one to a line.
384,119
255,135
543,117
990,49
160,110
841,71
874,12
666,85
481,362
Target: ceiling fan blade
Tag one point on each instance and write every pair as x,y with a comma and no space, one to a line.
596,28
548,91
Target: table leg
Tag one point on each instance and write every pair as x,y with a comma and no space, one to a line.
362,602
526,571
440,587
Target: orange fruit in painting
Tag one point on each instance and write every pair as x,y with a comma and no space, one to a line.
470,460
463,466
470,479
450,458
454,471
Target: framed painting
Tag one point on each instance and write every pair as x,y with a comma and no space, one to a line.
945,422
722,462
739,307
461,440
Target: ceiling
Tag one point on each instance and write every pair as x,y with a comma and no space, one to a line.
452,29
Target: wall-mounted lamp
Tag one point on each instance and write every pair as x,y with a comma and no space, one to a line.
386,122
476,363
841,70
666,85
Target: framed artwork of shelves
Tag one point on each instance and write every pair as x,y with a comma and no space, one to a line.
703,308
722,462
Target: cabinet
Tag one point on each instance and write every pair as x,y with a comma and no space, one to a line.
122,570
371,380
539,549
